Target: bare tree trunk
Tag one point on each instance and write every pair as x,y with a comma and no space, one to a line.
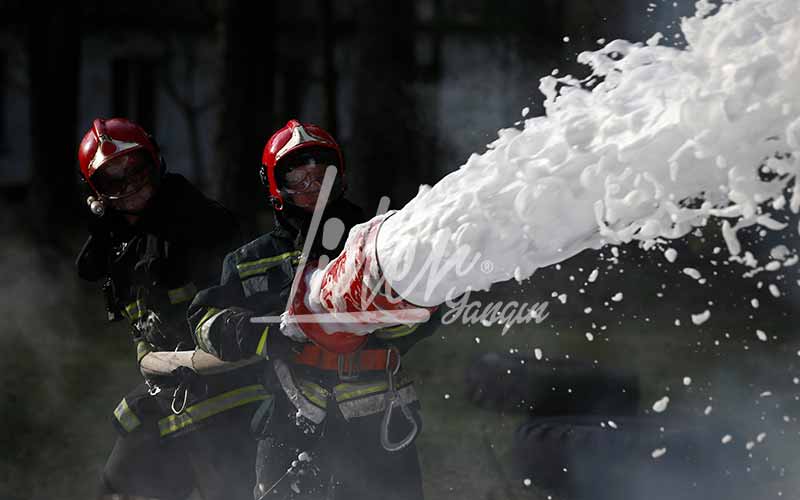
187,102
246,113
54,62
294,86
329,76
383,159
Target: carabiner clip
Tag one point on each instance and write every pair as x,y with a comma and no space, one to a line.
175,397
387,419
393,399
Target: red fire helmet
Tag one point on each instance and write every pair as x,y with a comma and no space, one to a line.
293,137
109,139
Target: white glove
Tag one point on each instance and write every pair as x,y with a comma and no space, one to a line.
292,329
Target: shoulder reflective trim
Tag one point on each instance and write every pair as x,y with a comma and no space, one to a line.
396,332
306,407
210,407
142,350
182,294
203,331
259,266
125,416
315,393
255,284
135,310
375,403
261,350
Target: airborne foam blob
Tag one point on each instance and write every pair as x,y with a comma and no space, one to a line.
699,319
661,405
667,139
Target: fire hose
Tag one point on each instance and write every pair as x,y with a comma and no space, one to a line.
164,363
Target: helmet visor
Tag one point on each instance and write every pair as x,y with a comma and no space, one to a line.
305,179
302,172
124,175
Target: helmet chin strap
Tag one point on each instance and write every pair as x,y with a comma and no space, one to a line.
100,206
128,212
106,204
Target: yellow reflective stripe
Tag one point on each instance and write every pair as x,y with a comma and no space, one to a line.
135,310
396,331
295,395
314,392
267,260
142,350
349,391
374,403
247,269
344,392
125,416
211,311
210,407
198,332
182,294
202,333
261,350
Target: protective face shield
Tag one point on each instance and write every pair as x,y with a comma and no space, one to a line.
301,174
124,176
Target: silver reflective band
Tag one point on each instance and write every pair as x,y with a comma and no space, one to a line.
260,266
255,284
125,416
299,136
120,147
204,334
306,407
210,407
182,294
375,403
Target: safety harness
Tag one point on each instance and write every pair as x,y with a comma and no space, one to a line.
355,398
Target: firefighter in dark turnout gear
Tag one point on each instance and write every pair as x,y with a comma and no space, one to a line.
154,242
321,430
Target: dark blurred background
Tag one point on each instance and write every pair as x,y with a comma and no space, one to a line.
410,89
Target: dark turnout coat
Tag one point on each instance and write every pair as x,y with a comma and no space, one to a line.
333,414
150,273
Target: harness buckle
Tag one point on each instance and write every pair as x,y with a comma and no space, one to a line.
349,365
152,388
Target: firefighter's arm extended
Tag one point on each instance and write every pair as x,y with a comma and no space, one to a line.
219,317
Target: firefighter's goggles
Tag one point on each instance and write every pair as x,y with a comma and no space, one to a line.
305,179
124,175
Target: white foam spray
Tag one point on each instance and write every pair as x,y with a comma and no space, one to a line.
653,143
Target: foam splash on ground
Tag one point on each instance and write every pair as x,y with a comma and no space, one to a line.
653,143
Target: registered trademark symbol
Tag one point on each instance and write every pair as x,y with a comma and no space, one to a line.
487,266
